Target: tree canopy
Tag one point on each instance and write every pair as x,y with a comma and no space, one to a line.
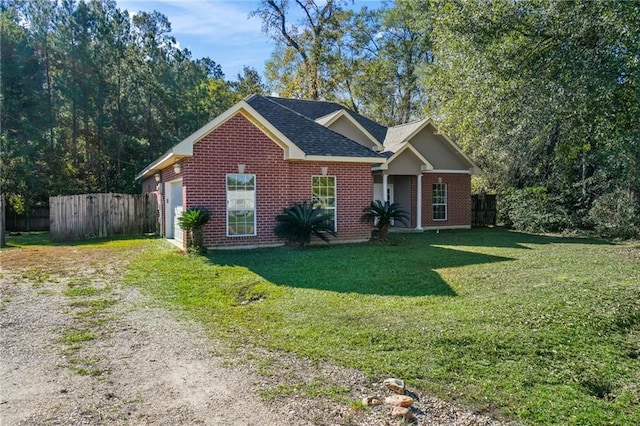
91,94
543,94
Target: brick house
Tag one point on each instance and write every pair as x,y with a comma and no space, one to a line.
265,153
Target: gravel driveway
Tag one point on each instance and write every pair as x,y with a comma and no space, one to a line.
79,348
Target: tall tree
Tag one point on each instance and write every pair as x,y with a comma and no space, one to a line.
91,95
42,15
544,93
369,61
24,119
387,51
248,83
298,63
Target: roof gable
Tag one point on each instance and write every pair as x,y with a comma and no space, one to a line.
404,149
334,121
300,137
312,138
399,136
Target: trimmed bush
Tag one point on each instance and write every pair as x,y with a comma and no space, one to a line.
193,221
381,213
299,222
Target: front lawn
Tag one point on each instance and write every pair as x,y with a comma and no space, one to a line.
542,329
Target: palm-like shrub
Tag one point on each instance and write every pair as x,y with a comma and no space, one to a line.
381,213
299,222
193,221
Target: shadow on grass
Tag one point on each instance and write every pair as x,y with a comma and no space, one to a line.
489,237
384,270
38,239
27,239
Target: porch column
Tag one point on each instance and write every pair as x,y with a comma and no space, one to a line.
385,186
419,204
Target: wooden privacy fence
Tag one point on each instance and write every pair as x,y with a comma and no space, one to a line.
76,217
483,209
36,220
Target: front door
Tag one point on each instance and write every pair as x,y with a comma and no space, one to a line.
377,192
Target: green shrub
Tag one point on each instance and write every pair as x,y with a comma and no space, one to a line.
531,209
616,215
381,213
193,220
299,222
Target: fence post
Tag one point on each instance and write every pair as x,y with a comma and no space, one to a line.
483,209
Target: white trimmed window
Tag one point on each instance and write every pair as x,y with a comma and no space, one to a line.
324,195
439,201
241,205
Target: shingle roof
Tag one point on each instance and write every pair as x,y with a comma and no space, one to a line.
317,109
310,109
311,137
397,135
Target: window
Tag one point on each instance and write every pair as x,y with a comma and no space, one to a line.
324,195
439,201
241,204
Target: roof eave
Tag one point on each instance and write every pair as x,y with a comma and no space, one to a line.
343,159
170,157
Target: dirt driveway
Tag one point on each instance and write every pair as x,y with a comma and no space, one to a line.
79,348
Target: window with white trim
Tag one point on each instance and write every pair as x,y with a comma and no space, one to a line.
439,201
324,195
241,205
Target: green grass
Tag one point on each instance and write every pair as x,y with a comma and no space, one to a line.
74,336
82,292
37,277
538,328
85,366
28,239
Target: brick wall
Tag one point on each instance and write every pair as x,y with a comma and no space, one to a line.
278,183
458,199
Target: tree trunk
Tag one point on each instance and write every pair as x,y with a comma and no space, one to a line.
2,221
196,239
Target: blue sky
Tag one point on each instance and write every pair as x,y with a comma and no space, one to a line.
219,29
